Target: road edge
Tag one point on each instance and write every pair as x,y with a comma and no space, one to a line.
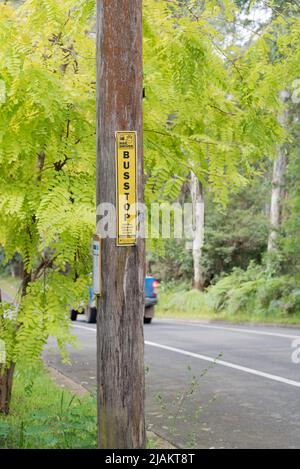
228,323
67,383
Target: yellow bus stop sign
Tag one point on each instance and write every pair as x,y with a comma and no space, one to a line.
126,160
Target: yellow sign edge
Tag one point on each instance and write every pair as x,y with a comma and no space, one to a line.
118,132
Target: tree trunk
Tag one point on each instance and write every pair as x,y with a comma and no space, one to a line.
7,373
198,230
120,342
279,171
276,199
6,382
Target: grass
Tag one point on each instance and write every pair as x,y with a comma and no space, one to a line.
152,443
45,416
178,301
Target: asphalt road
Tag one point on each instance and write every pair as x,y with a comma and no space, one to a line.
248,398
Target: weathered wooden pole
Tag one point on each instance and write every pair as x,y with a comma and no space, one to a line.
120,342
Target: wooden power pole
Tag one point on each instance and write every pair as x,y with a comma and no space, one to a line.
120,342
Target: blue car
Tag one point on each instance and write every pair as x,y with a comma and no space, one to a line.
151,289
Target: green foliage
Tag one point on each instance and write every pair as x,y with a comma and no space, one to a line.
172,262
209,107
238,234
234,236
44,416
242,296
254,293
178,298
47,164
4,268
238,121
289,245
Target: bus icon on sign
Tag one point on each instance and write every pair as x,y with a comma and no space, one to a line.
2,352
127,141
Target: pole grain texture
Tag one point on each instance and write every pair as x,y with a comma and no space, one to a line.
120,337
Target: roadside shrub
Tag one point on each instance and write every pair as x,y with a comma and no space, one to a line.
191,301
254,293
231,291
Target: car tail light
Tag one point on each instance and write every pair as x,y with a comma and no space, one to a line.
155,286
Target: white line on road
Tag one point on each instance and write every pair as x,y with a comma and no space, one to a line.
235,329
227,364
244,369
